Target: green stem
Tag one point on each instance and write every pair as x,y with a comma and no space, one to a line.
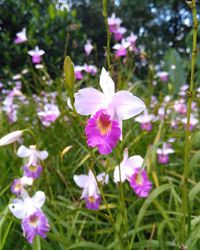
36,243
186,220
108,34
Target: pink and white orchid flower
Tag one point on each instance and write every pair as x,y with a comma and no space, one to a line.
145,120
91,193
127,167
121,105
121,49
88,47
21,36
163,153
36,54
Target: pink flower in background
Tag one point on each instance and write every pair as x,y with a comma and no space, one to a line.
36,55
132,39
27,208
193,121
140,183
49,114
18,184
180,106
119,33
88,47
21,36
183,90
102,132
121,105
121,49
91,192
78,72
114,23
35,224
163,153
145,120
163,76
127,167
90,69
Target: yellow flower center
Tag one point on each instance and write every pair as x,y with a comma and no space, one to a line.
91,199
33,220
32,168
104,123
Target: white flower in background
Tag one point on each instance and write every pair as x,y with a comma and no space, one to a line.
26,205
33,155
21,36
88,183
11,137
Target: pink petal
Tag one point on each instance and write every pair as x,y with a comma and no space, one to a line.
127,105
88,101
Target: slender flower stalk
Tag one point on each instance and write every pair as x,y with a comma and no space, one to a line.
105,14
185,220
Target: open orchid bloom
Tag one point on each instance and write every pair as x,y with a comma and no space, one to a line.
127,167
193,121
26,205
18,184
21,36
49,114
145,120
88,47
32,154
121,105
114,23
163,152
36,54
11,137
121,49
89,185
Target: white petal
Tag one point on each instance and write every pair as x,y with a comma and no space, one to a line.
117,174
81,180
89,101
11,137
93,189
26,180
38,199
17,209
42,155
23,151
135,161
127,105
107,84
168,151
103,177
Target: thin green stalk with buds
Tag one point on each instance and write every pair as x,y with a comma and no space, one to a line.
186,220
108,34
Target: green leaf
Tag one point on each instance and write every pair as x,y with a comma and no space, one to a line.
177,75
87,245
52,11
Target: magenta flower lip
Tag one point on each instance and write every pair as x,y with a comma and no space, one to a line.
140,183
102,132
35,224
